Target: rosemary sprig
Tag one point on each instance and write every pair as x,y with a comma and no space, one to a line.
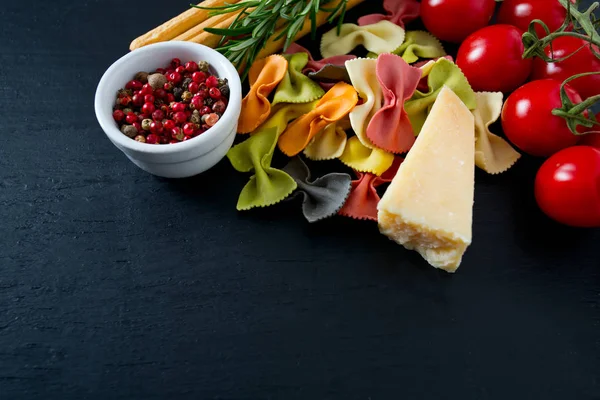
259,21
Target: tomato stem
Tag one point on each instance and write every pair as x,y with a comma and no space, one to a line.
574,114
585,21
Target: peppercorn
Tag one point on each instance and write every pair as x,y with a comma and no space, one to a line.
129,130
222,81
186,96
146,124
186,82
195,118
224,89
177,92
124,92
157,81
203,66
219,107
127,111
209,102
141,76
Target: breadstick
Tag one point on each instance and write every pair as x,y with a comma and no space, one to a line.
178,25
199,29
210,39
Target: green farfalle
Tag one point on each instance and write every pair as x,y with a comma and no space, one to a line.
440,73
268,185
417,45
295,86
420,44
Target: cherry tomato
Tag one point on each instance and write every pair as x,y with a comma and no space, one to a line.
492,59
592,139
567,187
582,60
528,122
520,13
454,20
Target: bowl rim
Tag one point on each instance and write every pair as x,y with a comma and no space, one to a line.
218,62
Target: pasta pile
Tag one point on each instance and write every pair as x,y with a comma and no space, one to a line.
363,112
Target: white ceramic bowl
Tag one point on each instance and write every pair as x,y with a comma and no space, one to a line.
178,160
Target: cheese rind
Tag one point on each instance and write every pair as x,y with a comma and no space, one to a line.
428,207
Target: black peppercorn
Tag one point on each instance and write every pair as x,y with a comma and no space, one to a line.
224,90
186,82
142,77
177,92
208,102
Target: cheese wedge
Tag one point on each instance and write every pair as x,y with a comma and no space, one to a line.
428,207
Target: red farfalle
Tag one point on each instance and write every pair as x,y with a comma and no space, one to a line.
314,65
400,12
363,200
390,127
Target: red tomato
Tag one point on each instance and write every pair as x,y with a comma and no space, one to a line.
592,139
520,13
528,122
567,187
583,60
492,59
454,20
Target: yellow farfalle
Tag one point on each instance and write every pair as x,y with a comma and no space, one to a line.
493,154
382,37
363,76
328,144
332,107
360,154
264,76
363,159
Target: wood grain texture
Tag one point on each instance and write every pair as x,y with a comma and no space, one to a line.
118,285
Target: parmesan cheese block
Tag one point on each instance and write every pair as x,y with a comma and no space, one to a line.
428,207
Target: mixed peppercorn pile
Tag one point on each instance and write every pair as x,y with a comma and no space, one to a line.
172,104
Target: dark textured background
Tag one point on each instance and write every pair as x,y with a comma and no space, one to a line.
118,285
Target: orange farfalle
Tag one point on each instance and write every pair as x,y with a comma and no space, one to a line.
264,76
335,105
363,200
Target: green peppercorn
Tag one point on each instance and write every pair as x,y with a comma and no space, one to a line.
195,118
187,96
203,66
140,138
146,124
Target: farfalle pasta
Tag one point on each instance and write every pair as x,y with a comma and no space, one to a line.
332,107
439,73
390,128
314,66
420,44
264,76
399,12
323,197
268,185
327,144
360,154
363,199
363,159
382,37
295,87
493,154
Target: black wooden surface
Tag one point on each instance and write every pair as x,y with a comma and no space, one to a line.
118,285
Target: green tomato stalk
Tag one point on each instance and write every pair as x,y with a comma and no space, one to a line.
584,26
